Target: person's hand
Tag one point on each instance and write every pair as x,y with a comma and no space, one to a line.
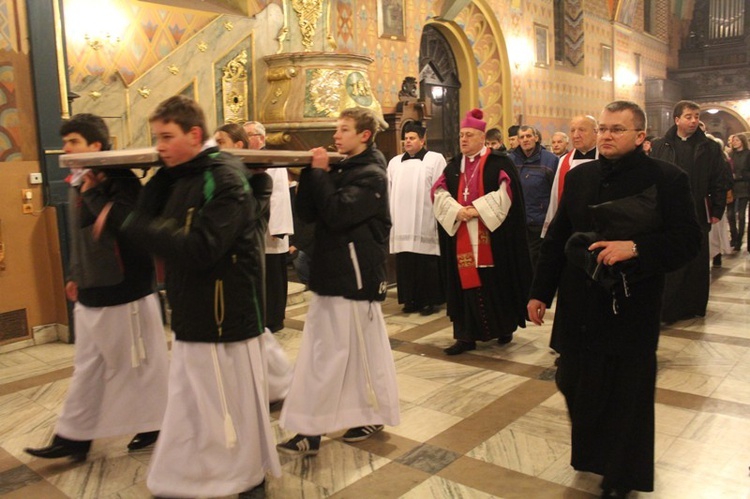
715,220
536,309
320,159
101,221
292,249
613,251
466,213
71,291
91,180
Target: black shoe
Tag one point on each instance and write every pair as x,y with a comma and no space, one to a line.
460,347
427,310
300,445
361,433
615,493
717,261
276,327
410,308
76,450
257,492
143,440
504,340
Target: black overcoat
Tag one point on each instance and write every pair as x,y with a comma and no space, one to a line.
584,314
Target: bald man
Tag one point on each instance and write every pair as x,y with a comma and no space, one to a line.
583,136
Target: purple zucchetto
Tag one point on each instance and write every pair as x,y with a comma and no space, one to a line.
474,120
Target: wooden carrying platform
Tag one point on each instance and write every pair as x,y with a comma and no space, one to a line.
148,157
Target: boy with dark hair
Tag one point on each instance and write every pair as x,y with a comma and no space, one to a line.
201,215
345,376
120,369
494,140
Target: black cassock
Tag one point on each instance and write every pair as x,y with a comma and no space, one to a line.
607,338
498,307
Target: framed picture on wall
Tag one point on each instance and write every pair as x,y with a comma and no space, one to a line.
391,19
541,46
606,63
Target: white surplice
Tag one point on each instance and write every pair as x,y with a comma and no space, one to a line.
554,202
119,383
493,208
216,439
280,220
409,184
344,376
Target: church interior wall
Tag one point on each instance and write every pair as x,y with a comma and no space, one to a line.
30,262
544,96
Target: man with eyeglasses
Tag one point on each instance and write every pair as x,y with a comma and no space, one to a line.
478,203
686,145
608,330
536,170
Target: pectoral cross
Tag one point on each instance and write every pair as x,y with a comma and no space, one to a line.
466,193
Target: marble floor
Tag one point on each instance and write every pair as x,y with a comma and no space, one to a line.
488,423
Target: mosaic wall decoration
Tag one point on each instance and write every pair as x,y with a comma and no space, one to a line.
9,36
10,130
151,32
487,58
574,32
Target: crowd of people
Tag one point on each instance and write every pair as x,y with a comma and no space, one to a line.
611,223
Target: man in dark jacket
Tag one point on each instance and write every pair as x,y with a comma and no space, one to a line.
536,171
344,376
685,144
479,207
201,215
608,333
121,353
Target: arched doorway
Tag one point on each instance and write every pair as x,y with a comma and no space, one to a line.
722,122
438,80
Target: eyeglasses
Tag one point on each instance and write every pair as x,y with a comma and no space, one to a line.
255,135
616,131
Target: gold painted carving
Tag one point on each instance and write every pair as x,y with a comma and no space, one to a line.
234,89
94,94
144,92
228,26
308,11
202,46
276,74
326,91
235,69
173,69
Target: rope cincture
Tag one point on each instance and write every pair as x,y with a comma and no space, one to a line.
137,346
372,399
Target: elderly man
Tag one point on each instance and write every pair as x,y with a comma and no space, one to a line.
478,203
280,225
559,143
686,145
583,133
414,238
609,295
536,170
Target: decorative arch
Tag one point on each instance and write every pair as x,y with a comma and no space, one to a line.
483,55
465,64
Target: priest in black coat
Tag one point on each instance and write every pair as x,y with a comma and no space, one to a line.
484,252
609,329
